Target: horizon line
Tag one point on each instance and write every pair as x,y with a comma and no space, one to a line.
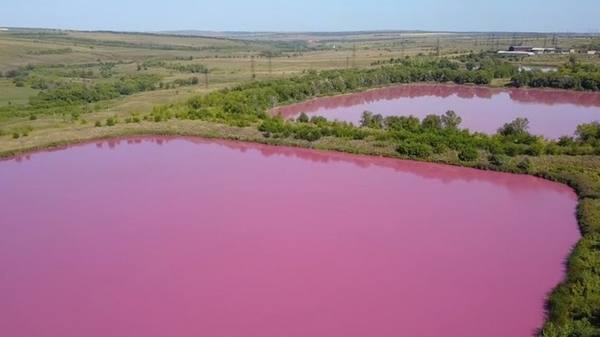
183,30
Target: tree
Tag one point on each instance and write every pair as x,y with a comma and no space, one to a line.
431,122
588,132
370,120
410,123
518,127
303,118
450,120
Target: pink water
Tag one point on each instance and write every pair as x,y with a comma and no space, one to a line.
183,237
552,113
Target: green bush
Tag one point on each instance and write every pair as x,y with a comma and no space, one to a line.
308,133
303,118
574,306
415,150
468,154
589,215
525,165
69,93
498,160
112,121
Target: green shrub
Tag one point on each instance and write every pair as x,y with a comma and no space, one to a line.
574,306
589,215
468,154
308,133
272,125
535,149
112,121
525,165
498,160
303,118
588,133
415,150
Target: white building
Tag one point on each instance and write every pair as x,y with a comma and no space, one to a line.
515,53
538,50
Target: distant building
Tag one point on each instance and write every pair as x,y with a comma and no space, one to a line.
538,50
530,51
521,48
593,52
515,53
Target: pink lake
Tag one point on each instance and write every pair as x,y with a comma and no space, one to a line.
552,113
185,237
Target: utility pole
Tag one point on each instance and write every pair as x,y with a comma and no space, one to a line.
347,62
253,67
354,56
438,49
270,56
206,78
491,41
403,47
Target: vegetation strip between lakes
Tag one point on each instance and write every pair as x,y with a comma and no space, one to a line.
242,113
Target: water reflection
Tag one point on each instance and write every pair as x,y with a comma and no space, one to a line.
439,172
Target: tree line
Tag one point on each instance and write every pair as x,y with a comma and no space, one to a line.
76,92
573,75
248,104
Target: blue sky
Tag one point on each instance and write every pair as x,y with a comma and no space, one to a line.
305,15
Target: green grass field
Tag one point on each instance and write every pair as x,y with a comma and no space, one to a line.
11,94
58,57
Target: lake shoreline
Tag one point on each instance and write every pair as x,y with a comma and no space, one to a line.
241,147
